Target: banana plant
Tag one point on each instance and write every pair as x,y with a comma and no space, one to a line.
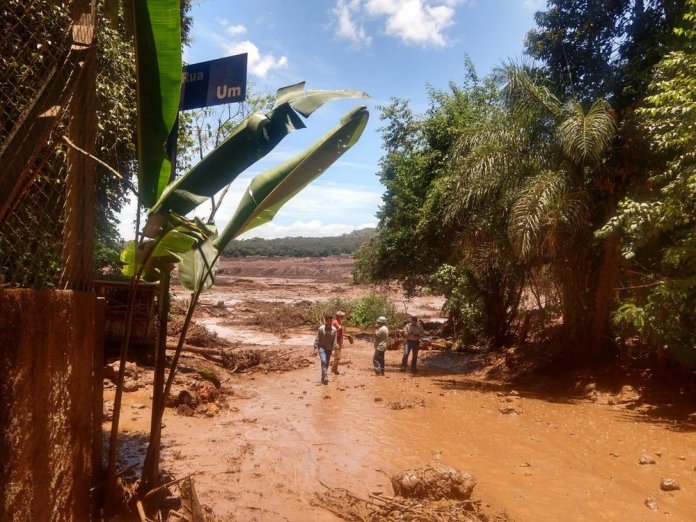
264,196
156,29
169,238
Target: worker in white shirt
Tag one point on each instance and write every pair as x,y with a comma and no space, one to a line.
413,331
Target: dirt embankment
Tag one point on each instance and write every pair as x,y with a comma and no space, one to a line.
286,447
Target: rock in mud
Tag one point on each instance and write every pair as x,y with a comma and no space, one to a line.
207,392
651,504
508,410
131,386
645,459
434,483
130,371
667,484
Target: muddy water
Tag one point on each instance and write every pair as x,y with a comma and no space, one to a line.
287,437
549,461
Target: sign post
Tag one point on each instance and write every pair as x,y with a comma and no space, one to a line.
215,82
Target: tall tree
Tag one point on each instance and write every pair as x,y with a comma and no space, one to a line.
602,48
658,225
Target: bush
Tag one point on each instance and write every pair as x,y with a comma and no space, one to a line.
318,309
368,308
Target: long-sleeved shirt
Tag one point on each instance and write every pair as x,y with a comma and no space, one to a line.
381,336
325,338
339,331
414,332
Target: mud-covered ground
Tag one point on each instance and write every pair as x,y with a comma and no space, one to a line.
275,438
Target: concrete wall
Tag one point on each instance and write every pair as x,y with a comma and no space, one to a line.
50,386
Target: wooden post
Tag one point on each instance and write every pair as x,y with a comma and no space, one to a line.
78,231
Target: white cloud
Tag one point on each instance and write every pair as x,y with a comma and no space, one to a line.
235,30
258,64
314,228
346,27
417,22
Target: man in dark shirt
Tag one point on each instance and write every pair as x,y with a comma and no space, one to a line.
324,345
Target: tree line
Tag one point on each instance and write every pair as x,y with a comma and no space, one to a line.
300,246
562,186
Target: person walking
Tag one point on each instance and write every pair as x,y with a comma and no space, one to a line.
381,340
337,323
413,331
324,345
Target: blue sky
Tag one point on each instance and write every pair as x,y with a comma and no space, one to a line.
387,48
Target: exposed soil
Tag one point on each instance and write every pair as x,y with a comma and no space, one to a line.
278,445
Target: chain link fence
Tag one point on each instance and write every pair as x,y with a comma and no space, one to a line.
39,43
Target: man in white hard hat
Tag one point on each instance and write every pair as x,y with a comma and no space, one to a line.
381,340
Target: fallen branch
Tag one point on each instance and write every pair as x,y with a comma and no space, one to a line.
118,474
197,349
164,486
392,501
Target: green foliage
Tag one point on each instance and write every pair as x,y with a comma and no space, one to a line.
371,306
317,310
270,190
199,265
117,115
659,229
152,257
299,246
251,140
463,304
599,49
202,130
158,70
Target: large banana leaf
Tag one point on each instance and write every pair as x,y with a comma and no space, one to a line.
255,137
198,266
270,190
158,71
158,255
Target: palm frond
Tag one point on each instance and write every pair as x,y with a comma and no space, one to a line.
546,216
523,92
585,137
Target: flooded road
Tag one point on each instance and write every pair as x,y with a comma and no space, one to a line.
536,456
549,461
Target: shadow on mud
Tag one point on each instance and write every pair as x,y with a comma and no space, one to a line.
634,397
132,447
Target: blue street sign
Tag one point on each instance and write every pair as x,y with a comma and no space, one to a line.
214,82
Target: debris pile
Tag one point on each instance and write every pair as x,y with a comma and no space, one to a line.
198,398
241,361
435,482
197,335
432,493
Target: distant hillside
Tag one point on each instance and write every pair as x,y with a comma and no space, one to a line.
300,246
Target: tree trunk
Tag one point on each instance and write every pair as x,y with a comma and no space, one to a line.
604,297
574,277
150,475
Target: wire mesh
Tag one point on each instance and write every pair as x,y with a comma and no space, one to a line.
35,43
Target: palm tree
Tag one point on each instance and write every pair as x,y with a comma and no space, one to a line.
528,168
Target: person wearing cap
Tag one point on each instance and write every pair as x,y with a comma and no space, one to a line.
381,339
412,334
324,344
337,323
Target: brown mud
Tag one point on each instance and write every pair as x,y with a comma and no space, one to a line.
279,438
